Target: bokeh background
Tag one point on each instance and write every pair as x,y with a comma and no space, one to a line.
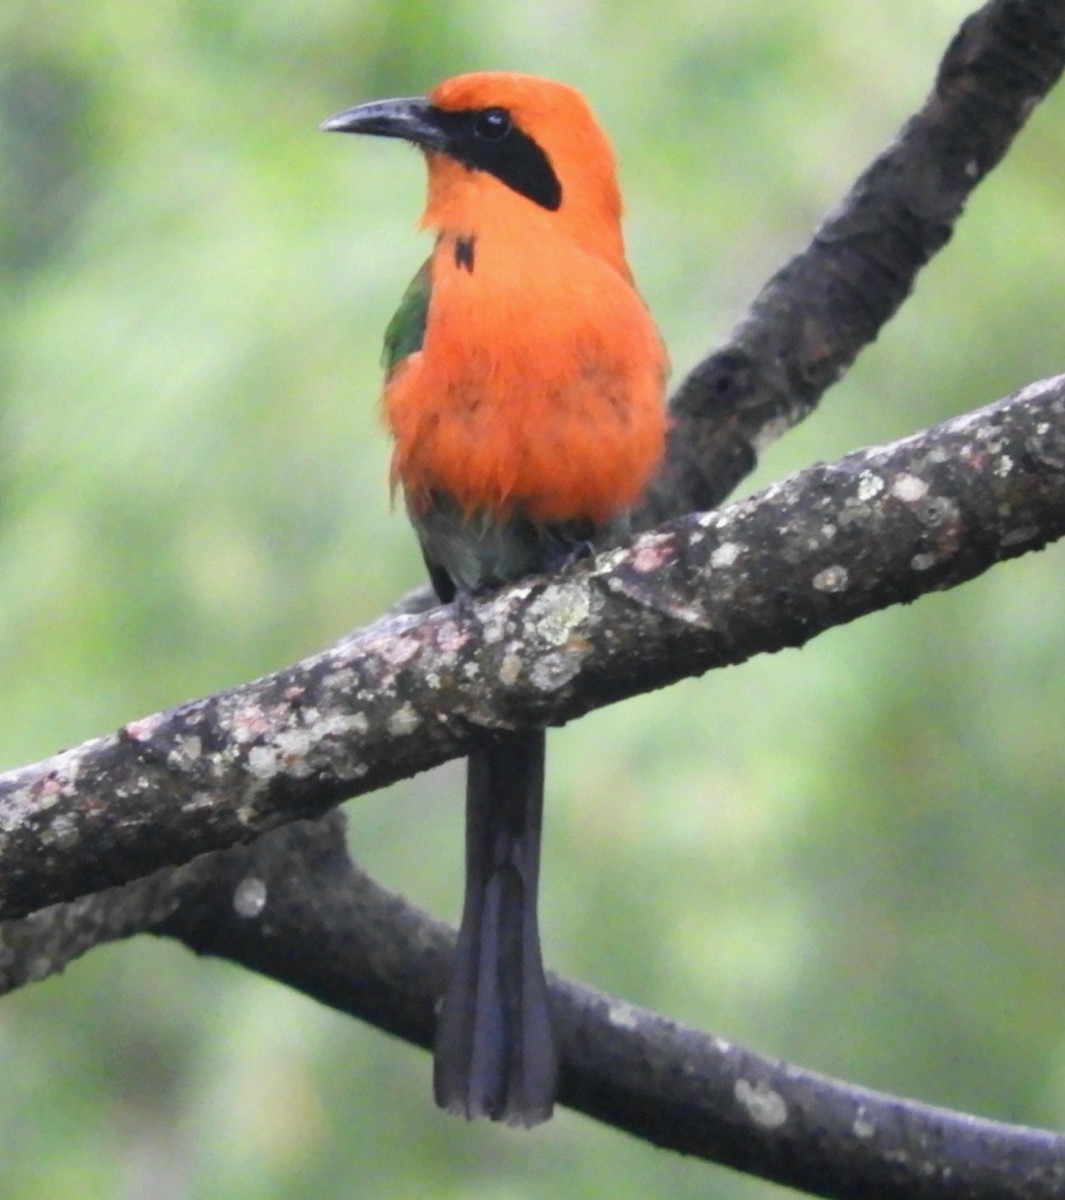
848,856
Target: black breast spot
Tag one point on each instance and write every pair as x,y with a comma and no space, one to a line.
464,253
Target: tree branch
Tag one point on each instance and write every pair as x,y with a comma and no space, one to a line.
366,951
818,311
879,527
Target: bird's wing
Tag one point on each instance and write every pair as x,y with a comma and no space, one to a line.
406,330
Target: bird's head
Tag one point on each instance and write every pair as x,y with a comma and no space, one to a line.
497,143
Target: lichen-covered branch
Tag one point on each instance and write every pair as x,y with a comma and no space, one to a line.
818,311
832,543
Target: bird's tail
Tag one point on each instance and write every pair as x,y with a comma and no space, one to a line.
495,1056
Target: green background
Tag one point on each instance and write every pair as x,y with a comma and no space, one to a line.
848,856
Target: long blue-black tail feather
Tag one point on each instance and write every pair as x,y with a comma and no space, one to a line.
495,1054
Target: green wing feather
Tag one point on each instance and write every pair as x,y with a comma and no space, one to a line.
406,330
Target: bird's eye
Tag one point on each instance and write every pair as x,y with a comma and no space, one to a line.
492,124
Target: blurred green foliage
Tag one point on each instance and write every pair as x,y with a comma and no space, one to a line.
848,856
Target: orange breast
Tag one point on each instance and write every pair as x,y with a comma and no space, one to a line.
538,387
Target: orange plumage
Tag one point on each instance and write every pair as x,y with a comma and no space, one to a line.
539,382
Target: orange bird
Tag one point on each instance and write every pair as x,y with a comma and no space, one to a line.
524,393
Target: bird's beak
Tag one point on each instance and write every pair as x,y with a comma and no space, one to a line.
411,119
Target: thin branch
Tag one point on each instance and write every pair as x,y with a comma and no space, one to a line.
365,951
813,317
879,527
